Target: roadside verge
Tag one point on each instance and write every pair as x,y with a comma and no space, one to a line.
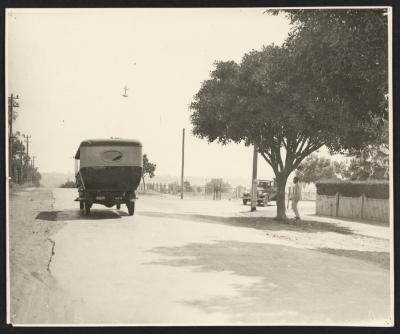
30,252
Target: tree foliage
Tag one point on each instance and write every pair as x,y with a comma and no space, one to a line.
68,184
21,164
326,85
217,183
187,186
371,163
344,53
148,168
314,169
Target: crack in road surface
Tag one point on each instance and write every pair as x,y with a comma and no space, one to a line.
53,243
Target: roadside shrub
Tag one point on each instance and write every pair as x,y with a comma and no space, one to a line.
68,184
371,189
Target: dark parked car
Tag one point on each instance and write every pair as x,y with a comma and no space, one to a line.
266,191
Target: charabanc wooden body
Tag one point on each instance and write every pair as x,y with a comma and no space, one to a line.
108,172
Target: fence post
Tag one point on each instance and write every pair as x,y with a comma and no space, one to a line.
362,206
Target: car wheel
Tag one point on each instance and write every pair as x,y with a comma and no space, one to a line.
131,208
87,205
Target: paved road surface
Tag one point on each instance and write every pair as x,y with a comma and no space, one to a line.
210,262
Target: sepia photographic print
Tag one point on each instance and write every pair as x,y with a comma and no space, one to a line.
199,166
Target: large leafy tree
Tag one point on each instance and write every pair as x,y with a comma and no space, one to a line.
290,100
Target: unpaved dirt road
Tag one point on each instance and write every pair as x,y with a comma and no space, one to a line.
199,262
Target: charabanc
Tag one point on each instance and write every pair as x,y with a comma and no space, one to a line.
108,172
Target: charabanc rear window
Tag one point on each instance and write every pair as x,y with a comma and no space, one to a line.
112,156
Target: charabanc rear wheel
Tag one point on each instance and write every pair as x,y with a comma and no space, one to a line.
87,205
131,208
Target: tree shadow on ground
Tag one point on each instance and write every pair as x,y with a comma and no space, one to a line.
260,223
382,259
287,285
354,220
68,215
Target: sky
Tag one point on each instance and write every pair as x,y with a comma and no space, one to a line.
69,68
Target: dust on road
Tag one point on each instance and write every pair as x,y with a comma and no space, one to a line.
210,262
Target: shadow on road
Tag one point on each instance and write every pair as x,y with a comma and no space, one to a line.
261,223
292,284
382,259
68,215
354,220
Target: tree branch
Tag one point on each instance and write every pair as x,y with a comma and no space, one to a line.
308,150
301,142
269,159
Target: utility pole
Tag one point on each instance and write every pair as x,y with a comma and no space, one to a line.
254,180
183,160
11,105
21,180
33,167
27,137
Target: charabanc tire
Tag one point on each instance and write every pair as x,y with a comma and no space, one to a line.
81,205
87,207
131,208
118,206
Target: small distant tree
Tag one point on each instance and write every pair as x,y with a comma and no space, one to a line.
148,169
187,186
211,185
68,184
314,169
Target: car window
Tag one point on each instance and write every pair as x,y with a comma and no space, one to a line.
112,156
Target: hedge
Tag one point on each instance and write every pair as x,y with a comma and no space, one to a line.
371,189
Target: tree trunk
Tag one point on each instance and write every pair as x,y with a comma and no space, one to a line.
280,197
144,184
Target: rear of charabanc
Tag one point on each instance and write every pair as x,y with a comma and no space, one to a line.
108,172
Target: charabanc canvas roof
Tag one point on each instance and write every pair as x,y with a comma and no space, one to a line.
107,142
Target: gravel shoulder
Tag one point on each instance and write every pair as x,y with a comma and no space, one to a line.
30,254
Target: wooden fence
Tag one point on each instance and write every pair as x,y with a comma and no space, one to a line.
353,207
